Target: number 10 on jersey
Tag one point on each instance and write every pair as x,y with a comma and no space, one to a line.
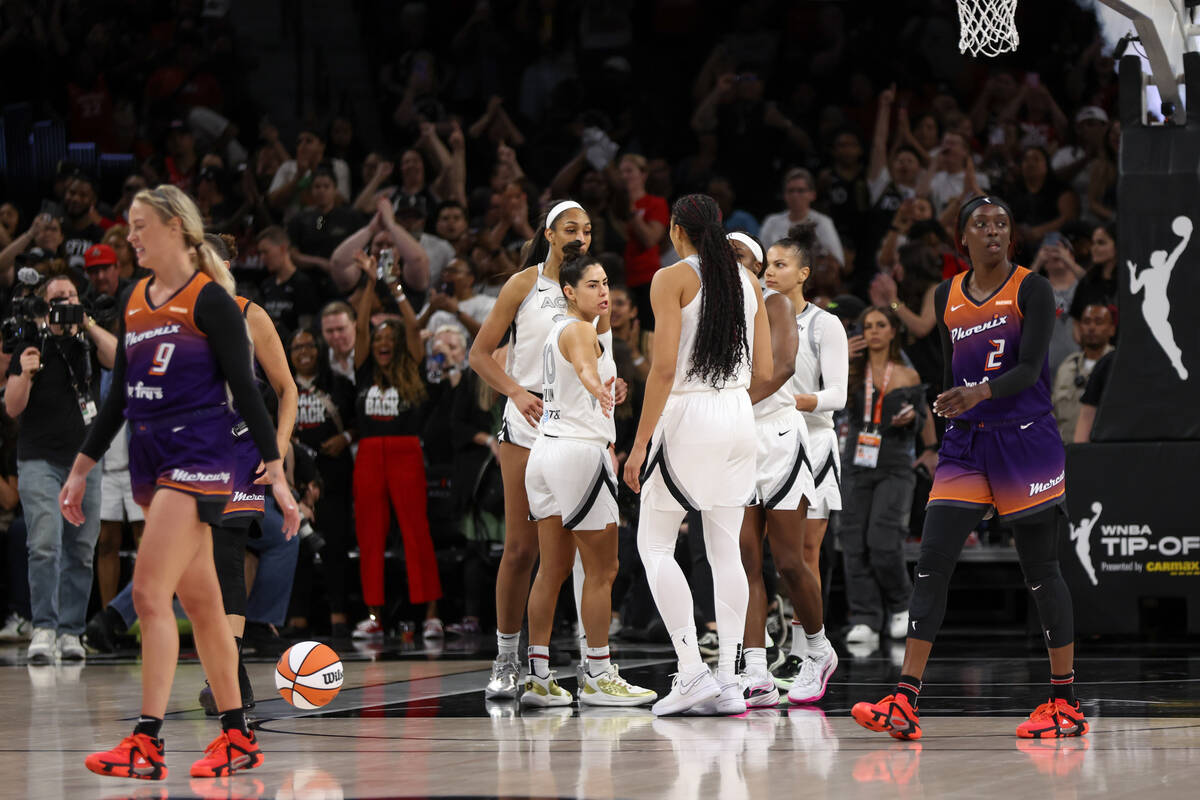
162,358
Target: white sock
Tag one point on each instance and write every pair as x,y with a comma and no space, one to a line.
799,640
731,592
539,661
756,659
597,661
817,641
507,643
686,649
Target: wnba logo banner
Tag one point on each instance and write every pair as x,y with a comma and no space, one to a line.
1156,371
1118,547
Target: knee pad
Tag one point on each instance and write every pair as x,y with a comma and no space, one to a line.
229,557
927,608
1053,600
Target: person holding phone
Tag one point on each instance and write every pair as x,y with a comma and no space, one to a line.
455,302
887,405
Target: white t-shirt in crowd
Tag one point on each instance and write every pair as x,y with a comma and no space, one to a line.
879,184
440,254
776,226
287,172
477,307
947,187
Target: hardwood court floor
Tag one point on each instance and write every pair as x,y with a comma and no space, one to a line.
414,724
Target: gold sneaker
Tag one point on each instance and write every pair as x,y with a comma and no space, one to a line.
610,689
544,692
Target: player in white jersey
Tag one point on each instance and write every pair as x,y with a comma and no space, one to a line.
571,482
695,445
818,388
784,484
525,311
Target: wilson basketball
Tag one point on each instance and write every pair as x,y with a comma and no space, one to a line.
308,675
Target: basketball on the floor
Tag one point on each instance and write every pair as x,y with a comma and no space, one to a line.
309,675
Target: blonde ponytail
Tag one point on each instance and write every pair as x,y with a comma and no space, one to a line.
170,201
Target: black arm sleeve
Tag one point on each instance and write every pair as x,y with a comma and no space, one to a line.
1035,298
112,411
218,318
941,296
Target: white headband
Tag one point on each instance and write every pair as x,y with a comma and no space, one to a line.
738,236
565,205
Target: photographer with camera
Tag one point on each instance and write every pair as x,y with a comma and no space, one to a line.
53,387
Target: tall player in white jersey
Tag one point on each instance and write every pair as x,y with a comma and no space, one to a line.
525,311
695,445
784,485
818,387
571,482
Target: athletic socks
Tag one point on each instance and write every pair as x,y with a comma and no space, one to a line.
816,641
539,661
1063,687
756,659
149,726
686,649
234,720
909,687
597,660
799,640
507,643
729,654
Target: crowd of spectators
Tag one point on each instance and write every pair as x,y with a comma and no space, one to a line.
870,127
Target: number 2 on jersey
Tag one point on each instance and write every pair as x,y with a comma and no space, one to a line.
162,358
993,359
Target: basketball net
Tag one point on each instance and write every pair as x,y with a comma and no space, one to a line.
987,27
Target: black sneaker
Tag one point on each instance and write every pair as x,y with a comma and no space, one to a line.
209,703
709,644
105,630
786,673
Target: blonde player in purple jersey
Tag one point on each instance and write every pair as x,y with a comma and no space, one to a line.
184,350
1001,450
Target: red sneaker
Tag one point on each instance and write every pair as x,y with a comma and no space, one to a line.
229,752
892,714
137,756
1054,719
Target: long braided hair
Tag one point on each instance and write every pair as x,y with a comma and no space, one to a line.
721,346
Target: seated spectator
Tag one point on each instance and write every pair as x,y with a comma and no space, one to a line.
127,268
338,322
454,303
1093,394
1099,285
907,289
1056,261
10,221
450,224
799,191
181,162
909,211
82,225
290,188
213,198
317,231
1096,328
721,190
1040,204
953,165
1072,163
643,223
1102,176
289,296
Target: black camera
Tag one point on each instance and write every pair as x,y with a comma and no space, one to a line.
21,329
64,313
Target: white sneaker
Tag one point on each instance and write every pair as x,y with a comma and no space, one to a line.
43,647
759,690
70,648
687,692
729,702
898,627
16,629
610,689
544,692
814,677
506,674
368,629
862,634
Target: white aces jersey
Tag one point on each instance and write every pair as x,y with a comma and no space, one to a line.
815,326
569,410
783,397
690,321
534,319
